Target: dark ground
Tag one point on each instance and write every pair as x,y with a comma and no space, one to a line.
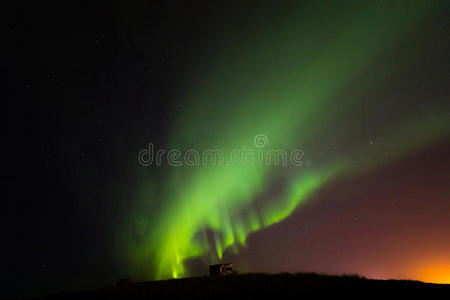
252,286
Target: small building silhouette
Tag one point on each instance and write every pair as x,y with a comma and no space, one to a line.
221,269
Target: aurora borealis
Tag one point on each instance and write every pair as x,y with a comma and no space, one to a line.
286,83
332,119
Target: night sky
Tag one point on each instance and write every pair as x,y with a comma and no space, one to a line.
360,89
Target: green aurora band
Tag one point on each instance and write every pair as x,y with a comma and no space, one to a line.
285,83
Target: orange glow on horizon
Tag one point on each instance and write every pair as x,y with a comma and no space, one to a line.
436,274
433,271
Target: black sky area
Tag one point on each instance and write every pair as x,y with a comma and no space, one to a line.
78,83
89,83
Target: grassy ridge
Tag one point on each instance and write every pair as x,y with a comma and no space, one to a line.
250,286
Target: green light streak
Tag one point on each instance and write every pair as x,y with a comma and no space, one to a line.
281,84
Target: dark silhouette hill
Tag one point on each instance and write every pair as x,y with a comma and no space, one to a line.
253,286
